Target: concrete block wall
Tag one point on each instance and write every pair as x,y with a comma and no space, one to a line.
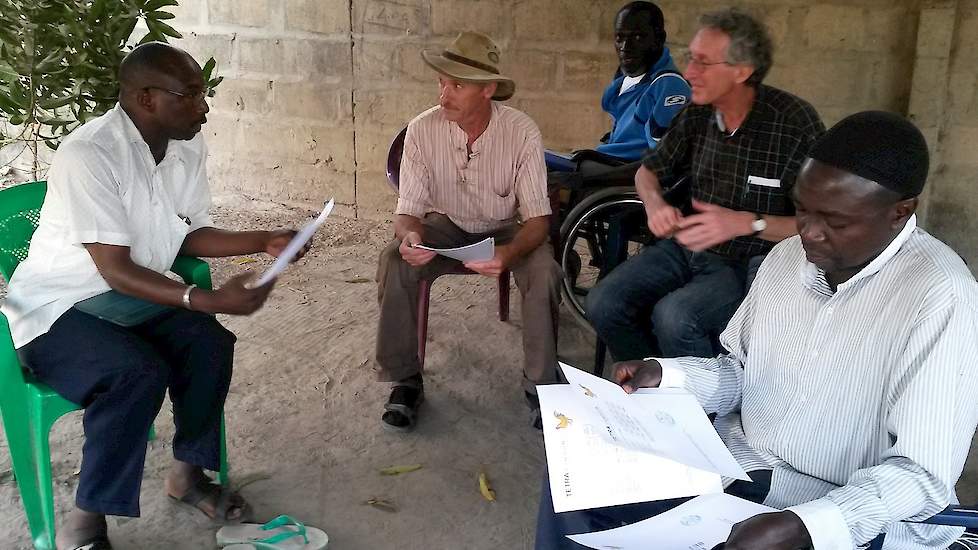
316,89
281,126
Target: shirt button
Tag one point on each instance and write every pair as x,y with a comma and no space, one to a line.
803,398
814,354
830,310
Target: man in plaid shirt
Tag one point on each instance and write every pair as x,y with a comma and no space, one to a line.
740,144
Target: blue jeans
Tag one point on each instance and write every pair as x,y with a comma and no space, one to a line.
552,527
120,375
668,302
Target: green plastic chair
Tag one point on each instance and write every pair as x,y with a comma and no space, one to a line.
29,408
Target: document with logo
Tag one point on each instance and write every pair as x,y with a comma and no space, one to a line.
699,524
667,423
478,252
588,469
291,249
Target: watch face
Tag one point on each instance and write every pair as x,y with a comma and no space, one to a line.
759,225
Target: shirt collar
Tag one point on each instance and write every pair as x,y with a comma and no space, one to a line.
133,136
756,105
814,278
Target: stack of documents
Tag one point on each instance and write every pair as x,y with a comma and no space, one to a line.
606,448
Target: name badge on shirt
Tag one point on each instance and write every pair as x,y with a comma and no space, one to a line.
763,182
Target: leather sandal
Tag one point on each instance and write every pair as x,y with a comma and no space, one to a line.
401,409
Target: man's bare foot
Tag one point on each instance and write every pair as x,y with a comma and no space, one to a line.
81,528
189,484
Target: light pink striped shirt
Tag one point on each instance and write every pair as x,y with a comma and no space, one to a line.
505,174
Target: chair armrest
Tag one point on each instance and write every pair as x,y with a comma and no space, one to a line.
193,271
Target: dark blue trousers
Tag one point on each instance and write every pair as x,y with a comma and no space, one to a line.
552,527
120,375
667,301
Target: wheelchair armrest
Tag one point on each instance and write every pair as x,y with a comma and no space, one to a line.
193,271
956,516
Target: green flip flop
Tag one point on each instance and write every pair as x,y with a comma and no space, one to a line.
282,533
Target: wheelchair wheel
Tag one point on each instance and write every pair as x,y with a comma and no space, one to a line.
600,232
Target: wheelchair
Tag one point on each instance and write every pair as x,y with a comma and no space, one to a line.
601,226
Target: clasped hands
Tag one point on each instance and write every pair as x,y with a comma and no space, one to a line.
418,257
774,531
709,226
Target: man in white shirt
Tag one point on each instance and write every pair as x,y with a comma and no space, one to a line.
127,192
850,378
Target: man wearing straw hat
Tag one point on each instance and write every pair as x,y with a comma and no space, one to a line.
472,168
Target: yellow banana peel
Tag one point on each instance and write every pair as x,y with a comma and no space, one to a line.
485,488
398,470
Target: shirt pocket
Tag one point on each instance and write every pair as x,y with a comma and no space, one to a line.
763,193
501,202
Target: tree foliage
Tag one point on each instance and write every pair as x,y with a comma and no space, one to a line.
59,60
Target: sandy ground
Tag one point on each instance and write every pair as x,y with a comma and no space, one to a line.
304,434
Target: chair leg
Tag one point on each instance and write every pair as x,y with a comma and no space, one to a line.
504,296
600,348
41,451
28,471
424,296
222,474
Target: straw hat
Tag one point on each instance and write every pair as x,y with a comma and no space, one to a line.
472,57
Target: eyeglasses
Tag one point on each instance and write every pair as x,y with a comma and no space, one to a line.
693,62
196,97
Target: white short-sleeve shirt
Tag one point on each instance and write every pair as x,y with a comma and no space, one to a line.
105,187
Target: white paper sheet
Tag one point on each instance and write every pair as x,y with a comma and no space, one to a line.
588,471
699,524
291,249
478,252
667,423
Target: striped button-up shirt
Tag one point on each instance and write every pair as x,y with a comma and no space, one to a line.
863,401
482,190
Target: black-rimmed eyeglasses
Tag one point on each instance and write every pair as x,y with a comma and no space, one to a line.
196,97
694,62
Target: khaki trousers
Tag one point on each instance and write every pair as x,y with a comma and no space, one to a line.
538,278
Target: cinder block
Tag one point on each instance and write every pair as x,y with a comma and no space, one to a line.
588,72
382,61
394,17
835,27
561,131
266,56
375,197
372,149
530,69
312,102
391,108
450,17
204,46
556,20
247,13
251,96
322,16
321,59
327,146
189,12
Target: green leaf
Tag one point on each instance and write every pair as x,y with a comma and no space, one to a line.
160,15
55,103
166,29
154,5
208,69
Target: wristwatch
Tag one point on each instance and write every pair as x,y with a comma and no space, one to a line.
759,224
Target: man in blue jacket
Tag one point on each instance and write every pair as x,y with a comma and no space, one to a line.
647,90
646,93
